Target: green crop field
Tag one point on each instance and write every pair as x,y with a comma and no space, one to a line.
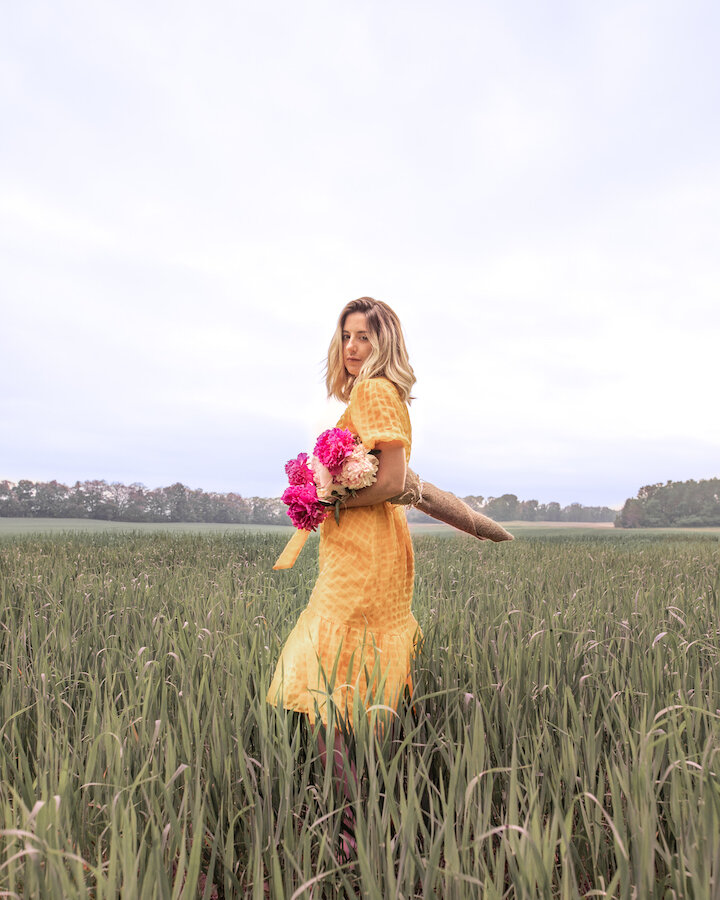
12,527
563,739
18,526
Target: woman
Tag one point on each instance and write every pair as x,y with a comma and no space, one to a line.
354,640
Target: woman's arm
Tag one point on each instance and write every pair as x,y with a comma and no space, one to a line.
390,477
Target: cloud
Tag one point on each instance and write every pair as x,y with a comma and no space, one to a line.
188,201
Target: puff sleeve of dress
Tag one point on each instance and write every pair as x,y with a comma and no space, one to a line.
379,415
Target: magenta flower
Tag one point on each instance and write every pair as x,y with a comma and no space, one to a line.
303,505
298,471
333,447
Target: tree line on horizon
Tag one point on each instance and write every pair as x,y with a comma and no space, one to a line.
507,508
682,504
117,502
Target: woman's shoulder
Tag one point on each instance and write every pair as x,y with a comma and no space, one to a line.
378,413
378,386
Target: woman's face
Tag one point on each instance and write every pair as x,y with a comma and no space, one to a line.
356,342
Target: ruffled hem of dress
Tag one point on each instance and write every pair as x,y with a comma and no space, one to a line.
326,661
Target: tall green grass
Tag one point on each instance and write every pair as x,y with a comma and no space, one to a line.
563,739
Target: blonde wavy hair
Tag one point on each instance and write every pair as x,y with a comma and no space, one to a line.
388,357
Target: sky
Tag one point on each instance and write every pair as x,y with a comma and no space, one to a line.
190,193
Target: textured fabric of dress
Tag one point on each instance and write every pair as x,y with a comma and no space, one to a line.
355,638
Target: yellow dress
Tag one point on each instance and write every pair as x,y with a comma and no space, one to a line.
356,635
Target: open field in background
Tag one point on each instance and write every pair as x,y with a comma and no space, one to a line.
12,527
563,740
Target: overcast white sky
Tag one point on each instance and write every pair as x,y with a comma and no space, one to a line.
189,194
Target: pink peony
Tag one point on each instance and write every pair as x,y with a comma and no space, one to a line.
298,471
333,447
359,469
303,505
323,478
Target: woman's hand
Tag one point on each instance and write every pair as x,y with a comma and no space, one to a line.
390,477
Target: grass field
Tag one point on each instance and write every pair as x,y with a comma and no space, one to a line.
563,739
11,527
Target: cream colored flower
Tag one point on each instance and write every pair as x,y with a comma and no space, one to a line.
359,469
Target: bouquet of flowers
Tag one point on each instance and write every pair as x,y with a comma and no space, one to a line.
339,467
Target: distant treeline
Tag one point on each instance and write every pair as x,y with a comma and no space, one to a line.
679,503
135,503
508,508
177,503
